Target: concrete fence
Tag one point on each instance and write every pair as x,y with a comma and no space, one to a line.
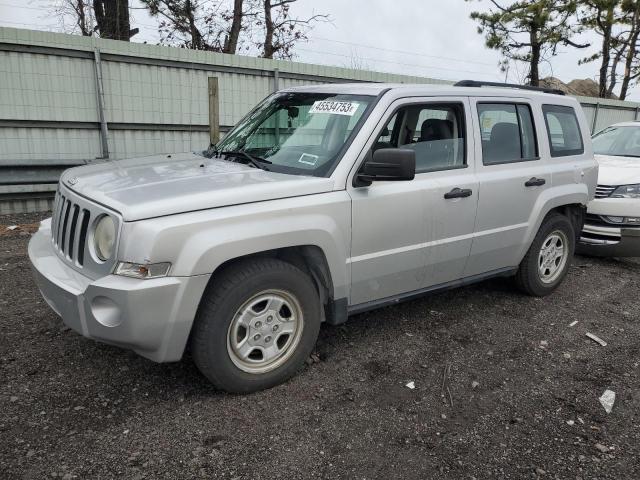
67,100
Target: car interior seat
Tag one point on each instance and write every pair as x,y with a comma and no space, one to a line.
503,144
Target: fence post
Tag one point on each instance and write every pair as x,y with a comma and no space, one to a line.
595,117
214,111
104,131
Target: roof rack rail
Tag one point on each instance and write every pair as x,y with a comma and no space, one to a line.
477,83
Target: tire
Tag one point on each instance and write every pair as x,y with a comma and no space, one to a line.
239,342
530,277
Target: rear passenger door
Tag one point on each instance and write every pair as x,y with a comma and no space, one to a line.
512,176
568,162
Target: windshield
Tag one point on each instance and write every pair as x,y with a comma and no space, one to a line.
298,133
618,141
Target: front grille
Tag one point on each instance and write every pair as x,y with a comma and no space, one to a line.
604,191
69,228
72,222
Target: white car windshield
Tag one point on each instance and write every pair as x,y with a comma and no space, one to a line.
297,133
618,141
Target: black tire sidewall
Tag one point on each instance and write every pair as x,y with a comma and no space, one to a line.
555,222
210,351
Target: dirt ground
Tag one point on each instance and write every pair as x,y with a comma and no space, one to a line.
520,397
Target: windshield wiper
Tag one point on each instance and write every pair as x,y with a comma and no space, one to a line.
252,159
210,152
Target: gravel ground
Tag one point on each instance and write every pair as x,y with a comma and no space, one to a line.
520,398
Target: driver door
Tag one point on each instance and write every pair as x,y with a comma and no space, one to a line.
408,236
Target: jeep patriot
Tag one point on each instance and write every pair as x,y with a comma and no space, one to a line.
322,202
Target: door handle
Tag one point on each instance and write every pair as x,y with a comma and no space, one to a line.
535,182
458,193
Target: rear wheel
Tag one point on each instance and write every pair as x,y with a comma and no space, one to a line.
256,325
547,262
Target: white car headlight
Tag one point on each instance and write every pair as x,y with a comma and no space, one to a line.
104,237
136,270
627,191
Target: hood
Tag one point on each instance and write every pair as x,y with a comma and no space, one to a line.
616,170
168,184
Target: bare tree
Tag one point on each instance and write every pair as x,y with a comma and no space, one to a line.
75,16
231,41
356,61
177,22
229,26
112,19
201,24
529,31
282,31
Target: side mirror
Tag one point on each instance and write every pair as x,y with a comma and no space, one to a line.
387,164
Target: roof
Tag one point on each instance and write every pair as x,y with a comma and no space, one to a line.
408,89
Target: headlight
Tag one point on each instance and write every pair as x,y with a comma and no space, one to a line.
104,237
633,221
137,270
627,191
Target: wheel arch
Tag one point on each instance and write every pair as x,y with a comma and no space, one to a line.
568,200
310,259
575,212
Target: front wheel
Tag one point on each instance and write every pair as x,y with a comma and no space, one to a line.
547,261
256,325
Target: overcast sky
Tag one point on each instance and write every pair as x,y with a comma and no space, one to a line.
433,38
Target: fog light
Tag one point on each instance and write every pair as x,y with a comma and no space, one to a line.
106,312
137,270
615,219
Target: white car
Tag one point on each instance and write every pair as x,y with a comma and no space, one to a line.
612,226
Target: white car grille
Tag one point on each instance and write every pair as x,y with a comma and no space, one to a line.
604,191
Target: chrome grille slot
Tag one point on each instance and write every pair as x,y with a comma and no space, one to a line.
56,217
604,191
82,236
64,218
75,211
54,214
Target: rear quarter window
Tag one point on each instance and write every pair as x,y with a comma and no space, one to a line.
563,130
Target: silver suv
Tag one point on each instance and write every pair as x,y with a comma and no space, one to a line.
321,203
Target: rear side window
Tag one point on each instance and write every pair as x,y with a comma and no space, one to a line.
563,130
508,133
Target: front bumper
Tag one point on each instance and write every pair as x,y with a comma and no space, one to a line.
601,239
151,317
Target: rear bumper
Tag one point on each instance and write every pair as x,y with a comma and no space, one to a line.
151,317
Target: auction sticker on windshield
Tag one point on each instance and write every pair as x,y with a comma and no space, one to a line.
336,108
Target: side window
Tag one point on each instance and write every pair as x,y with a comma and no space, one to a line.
563,130
508,133
436,132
